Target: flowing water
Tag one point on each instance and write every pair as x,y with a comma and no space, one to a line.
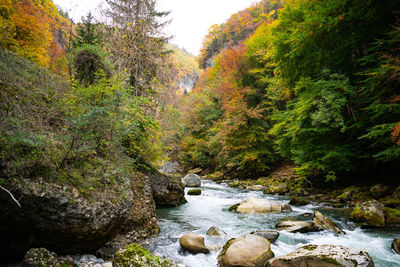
211,209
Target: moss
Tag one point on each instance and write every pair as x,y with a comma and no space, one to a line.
330,260
235,184
194,192
136,256
392,216
233,207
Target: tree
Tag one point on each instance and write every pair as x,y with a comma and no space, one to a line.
87,33
136,41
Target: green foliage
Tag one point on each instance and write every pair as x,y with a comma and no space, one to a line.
87,33
312,130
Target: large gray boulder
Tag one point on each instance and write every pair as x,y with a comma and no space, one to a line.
167,192
323,256
322,223
70,220
191,180
294,226
253,205
247,251
369,214
193,243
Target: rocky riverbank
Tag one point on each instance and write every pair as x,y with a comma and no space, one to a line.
68,220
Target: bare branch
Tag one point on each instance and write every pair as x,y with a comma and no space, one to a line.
16,201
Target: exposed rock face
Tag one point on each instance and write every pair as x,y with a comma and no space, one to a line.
322,222
258,205
194,192
193,243
271,236
135,255
170,167
61,218
293,226
166,191
323,256
396,245
215,231
191,180
369,214
248,251
40,257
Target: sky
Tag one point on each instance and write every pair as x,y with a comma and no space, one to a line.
191,19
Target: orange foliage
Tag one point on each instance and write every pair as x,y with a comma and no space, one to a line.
36,26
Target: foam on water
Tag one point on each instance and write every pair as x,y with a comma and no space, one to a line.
211,209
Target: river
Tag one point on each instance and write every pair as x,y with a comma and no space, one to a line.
211,209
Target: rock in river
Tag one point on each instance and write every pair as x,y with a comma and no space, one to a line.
396,245
294,226
271,236
323,256
369,214
215,231
322,222
193,243
191,180
247,251
166,191
258,205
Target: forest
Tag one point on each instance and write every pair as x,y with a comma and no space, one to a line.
297,97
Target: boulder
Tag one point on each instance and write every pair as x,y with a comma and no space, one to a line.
323,256
135,255
379,190
258,205
191,180
287,208
322,223
346,196
167,192
280,189
40,257
195,171
193,243
247,251
298,201
294,226
271,236
396,245
170,167
71,220
194,192
369,214
215,231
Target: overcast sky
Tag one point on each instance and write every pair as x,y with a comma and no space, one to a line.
191,19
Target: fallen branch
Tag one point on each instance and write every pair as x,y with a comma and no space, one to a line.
16,201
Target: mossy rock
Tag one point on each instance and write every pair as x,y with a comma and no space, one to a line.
369,214
40,257
298,201
392,216
234,207
194,192
136,256
216,176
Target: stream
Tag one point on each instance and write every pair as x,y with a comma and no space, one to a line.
211,209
